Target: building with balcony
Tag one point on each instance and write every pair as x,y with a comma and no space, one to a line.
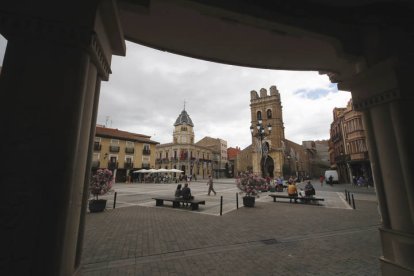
122,152
348,149
197,159
218,148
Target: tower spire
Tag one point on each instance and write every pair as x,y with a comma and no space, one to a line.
184,104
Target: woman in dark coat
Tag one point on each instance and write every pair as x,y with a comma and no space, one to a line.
178,191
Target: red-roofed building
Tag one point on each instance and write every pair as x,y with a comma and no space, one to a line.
232,153
122,152
232,159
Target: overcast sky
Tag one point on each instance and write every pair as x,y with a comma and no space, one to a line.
147,89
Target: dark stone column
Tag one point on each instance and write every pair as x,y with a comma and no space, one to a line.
87,174
50,81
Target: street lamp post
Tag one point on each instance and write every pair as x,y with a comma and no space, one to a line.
290,167
261,134
296,167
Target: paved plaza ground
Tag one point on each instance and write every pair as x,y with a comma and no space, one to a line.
273,238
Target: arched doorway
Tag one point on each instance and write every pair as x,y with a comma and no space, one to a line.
266,163
267,166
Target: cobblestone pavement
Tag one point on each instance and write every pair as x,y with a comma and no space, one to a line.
273,238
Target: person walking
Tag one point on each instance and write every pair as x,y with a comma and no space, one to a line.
321,179
210,185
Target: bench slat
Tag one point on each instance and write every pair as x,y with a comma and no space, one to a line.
159,201
295,198
176,199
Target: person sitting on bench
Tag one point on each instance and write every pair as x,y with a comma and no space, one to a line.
178,191
279,184
291,189
309,190
186,193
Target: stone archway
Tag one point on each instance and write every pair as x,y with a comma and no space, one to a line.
372,58
268,166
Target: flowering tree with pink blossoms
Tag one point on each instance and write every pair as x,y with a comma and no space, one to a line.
250,184
101,182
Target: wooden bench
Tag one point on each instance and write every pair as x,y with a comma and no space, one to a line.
306,199
159,201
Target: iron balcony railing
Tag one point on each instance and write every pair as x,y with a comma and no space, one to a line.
114,148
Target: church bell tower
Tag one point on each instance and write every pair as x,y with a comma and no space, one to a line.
267,152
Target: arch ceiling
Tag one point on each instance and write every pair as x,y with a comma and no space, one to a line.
316,35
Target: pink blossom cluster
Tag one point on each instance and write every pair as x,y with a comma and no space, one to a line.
101,182
251,184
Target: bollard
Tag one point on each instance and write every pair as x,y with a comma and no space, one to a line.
114,200
349,198
346,195
237,201
221,205
353,202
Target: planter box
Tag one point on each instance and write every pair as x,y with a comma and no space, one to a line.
248,201
97,205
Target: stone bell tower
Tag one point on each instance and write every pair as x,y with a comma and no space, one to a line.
267,152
